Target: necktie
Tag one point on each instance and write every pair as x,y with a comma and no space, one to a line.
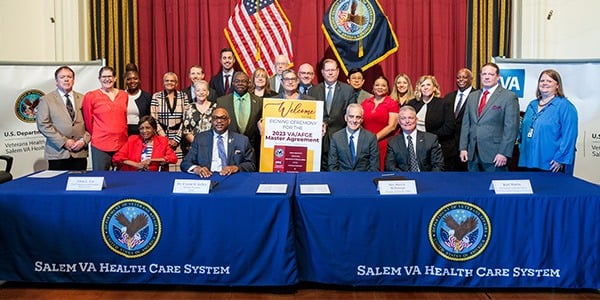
329,98
352,148
227,84
413,164
221,150
242,119
460,101
482,102
70,109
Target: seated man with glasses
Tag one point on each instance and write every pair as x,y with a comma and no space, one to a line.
219,150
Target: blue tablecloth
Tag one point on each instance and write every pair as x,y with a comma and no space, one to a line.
231,236
454,233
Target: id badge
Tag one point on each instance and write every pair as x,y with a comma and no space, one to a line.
530,132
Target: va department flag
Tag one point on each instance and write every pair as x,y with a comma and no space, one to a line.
359,33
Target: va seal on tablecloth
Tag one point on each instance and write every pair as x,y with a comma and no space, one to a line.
352,20
459,231
26,105
131,228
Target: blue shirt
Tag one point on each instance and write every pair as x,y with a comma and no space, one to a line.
548,135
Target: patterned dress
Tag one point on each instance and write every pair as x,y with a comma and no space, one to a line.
195,122
170,119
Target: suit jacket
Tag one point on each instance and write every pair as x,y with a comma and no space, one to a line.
362,95
450,98
273,84
342,96
428,150
54,122
239,152
132,150
256,105
216,83
439,120
367,152
495,131
212,94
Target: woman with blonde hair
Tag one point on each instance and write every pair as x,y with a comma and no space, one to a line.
436,116
402,90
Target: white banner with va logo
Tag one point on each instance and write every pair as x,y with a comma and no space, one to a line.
24,84
580,84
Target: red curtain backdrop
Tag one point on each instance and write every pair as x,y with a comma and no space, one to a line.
175,34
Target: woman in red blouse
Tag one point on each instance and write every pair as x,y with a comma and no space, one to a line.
381,115
146,151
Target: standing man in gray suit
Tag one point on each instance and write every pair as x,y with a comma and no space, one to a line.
245,110
490,124
60,120
352,148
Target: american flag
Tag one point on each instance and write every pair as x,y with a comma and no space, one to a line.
257,32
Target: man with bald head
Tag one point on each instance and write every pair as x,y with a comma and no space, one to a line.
219,150
457,100
306,73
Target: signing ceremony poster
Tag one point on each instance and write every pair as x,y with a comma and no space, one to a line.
292,135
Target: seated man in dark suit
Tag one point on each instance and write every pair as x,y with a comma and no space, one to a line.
219,150
352,148
424,154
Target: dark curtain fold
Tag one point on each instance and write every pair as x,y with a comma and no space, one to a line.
489,24
175,34
114,33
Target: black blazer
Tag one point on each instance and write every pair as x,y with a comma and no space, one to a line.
216,83
143,105
429,153
439,120
450,98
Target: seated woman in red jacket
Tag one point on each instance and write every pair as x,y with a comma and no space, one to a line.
146,151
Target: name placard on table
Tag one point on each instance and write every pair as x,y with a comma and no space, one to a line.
265,188
397,187
517,186
79,183
191,186
318,189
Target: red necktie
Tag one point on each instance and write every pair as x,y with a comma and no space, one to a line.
227,84
482,102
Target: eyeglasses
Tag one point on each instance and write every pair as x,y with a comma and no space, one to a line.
289,79
240,81
106,76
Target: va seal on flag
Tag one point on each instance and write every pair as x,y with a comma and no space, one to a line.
459,231
131,228
26,105
352,20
